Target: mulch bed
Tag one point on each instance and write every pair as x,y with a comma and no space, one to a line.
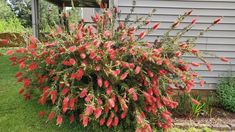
219,120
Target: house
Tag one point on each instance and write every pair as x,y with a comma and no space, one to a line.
219,41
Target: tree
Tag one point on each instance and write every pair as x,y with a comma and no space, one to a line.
22,9
5,12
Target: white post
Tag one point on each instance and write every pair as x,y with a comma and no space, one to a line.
35,18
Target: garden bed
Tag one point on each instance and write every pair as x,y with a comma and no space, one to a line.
219,120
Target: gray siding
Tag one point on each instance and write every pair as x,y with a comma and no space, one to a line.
220,40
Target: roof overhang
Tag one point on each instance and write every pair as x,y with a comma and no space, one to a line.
78,3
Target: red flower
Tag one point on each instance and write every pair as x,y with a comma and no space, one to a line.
150,73
85,121
51,115
218,20
10,52
83,55
26,82
72,48
4,41
115,121
98,112
137,70
32,66
195,64
111,103
142,34
71,118
194,21
123,76
116,72
156,26
71,103
102,121
100,82
59,120
224,59
41,114
106,83
65,104
72,61
83,93
89,110
53,96
64,91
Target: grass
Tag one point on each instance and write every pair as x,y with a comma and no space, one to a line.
16,115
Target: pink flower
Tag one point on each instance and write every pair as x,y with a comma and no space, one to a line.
59,120
123,76
100,82
83,93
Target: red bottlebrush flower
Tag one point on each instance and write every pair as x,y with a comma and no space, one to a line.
107,34
97,112
195,102
59,120
53,96
41,114
106,83
5,41
218,20
18,74
148,98
71,118
51,115
123,115
100,82
109,122
115,121
85,121
108,90
116,72
89,110
156,26
64,91
83,93
72,48
202,82
71,103
195,64
88,98
10,52
131,91
26,82
72,61
102,121
137,70
33,40
83,55
142,34
32,66
150,73
194,21
22,65
189,12
100,102
224,59
123,76
111,103
178,54
65,104
208,66
79,35
135,96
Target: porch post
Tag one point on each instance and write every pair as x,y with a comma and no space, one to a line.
35,18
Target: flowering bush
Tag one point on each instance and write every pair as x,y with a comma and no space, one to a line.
105,72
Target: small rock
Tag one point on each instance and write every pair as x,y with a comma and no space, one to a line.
221,127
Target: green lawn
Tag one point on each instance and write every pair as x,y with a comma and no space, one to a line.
17,115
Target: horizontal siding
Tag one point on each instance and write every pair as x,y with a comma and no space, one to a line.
220,40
